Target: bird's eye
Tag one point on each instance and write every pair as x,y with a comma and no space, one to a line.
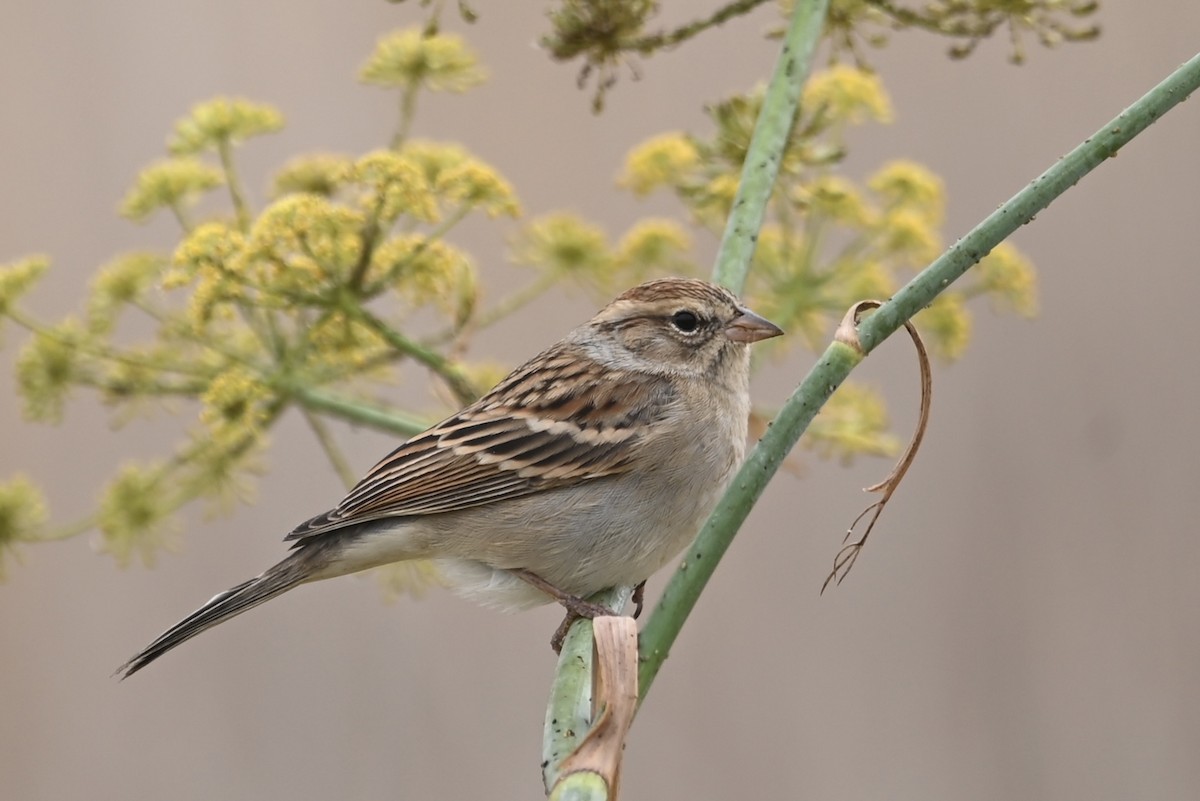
685,321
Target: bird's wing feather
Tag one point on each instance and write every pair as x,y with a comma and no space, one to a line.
559,420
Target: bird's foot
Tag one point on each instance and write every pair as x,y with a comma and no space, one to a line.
576,607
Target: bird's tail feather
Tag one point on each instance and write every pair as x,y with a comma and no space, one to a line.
276,580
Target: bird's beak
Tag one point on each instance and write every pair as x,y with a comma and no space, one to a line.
748,327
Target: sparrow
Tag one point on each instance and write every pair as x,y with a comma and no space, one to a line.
590,466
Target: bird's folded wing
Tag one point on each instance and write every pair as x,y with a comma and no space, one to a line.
538,430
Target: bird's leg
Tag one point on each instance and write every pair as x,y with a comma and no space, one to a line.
639,595
576,607
560,633
573,603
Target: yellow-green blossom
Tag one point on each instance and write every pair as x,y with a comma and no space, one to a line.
653,246
946,324
22,514
565,244
786,289
398,186
473,183
214,246
301,243
910,186
847,94
235,405
124,280
316,173
712,202
221,471
135,515
735,118
411,57
908,236
1009,278
411,578
222,120
210,301
862,280
18,277
484,375
434,158
170,183
837,198
338,341
666,160
210,259
427,271
47,367
852,422
143,374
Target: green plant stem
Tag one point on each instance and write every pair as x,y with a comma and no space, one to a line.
648,44
236,194
181,216
458,383
569,713
511,303
330,447
361,413
771,132
99,351
408,110
388,280
67,531
839,359
908,17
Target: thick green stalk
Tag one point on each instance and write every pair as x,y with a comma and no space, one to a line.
686,584
355,412
569,713
771,133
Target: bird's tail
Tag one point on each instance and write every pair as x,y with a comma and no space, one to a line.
276,580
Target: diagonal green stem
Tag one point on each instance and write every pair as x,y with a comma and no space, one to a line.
329,445
1021,207
444,368
356,412
688,582
771,132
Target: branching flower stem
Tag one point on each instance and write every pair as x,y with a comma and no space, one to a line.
329,445
458,383
236,194
361,413
658,41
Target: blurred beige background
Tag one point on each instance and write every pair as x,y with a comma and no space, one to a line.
1024,623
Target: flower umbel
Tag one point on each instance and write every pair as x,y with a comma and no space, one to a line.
440,61
222,120
22,514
